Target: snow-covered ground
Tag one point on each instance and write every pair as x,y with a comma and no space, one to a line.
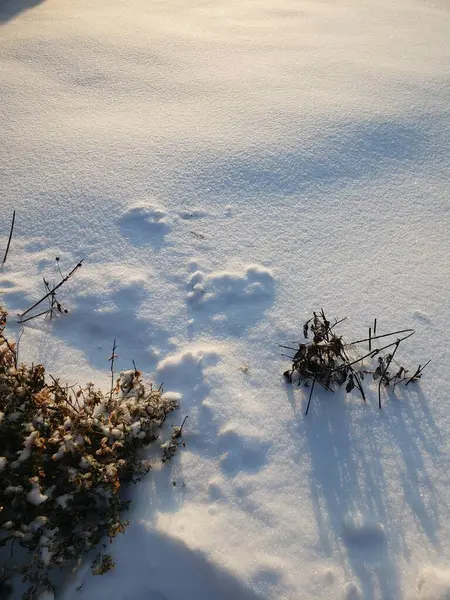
225,167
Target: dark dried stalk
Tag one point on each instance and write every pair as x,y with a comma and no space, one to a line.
10,237
310,396
338,322
375,351
377,337
397,344
418,372
113,356
44,312
63,392
53,290
180,431
355,375
51,298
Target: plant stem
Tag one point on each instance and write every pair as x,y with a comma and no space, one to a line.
44,312
10,237
397,344
377,337
53,290
419,370
310,396
113,356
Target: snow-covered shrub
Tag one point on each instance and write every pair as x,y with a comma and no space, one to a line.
64,455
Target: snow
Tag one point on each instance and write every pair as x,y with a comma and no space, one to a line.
225,168
35,496
434,584
47,595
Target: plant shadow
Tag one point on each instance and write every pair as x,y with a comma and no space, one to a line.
9,9
352,448
154,566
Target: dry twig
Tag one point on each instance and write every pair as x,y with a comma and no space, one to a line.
10,237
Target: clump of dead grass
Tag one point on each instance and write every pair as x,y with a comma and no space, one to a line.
326,359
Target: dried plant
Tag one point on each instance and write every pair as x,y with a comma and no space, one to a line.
329,361
65,454
50,295
5,256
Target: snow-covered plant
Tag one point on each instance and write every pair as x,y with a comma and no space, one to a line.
64,456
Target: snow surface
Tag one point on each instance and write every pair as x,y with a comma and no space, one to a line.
225,168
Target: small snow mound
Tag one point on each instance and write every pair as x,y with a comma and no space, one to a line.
352,591
433,584
35,496
47,595
259,270
172,396
360,529
214,491
227,288
195,356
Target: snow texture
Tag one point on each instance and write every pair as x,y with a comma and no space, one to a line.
434,584
225,168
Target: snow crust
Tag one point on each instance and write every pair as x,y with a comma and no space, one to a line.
434,584
225,168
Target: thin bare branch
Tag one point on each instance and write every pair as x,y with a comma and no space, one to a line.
377,337
10,237
53,290
112,358
310,396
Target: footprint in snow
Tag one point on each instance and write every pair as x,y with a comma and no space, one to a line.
192,215
241,453
144,223
422,317
185,369
229,301
352,591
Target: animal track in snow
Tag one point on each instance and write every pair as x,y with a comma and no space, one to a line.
228,300
238,453
145,223
422,316
185,369
352,591
192,215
